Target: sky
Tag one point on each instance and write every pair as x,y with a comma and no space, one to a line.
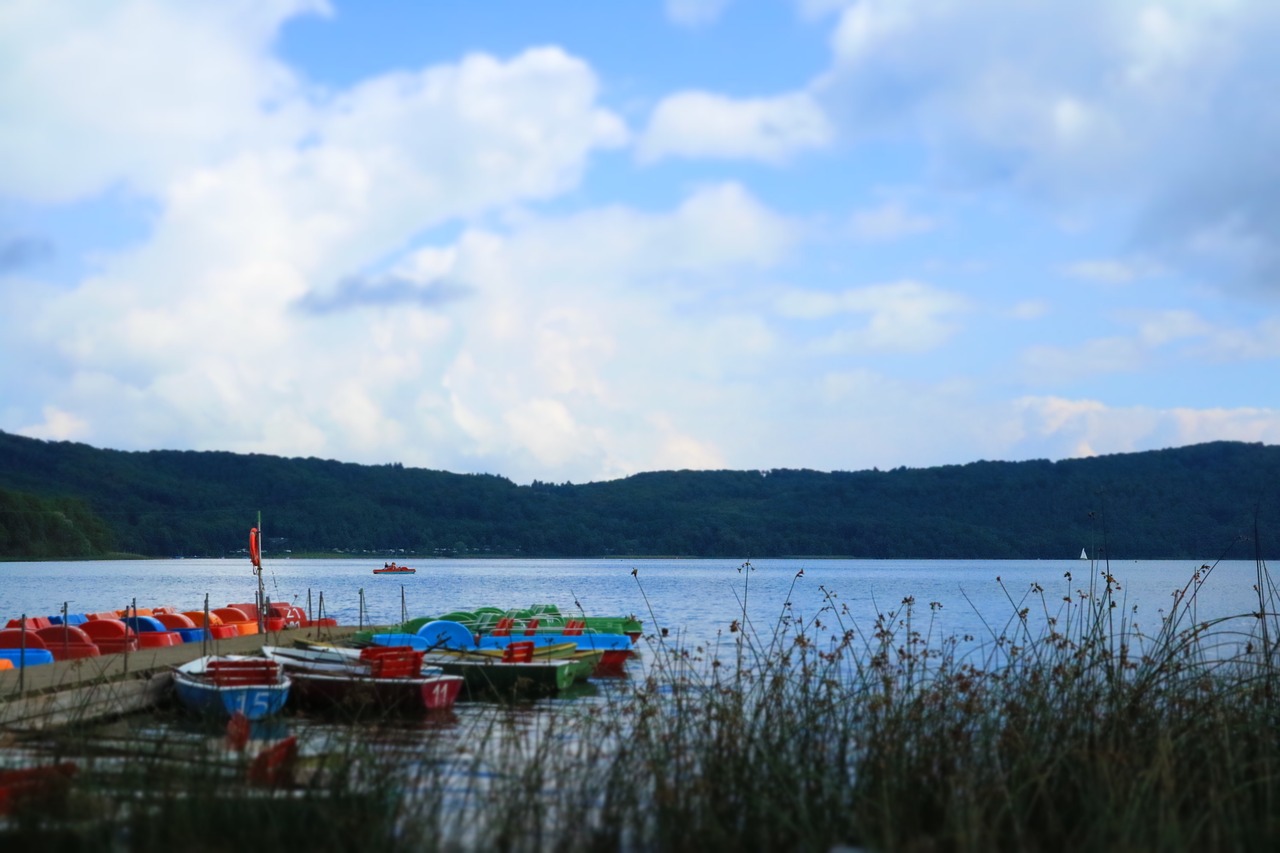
570,242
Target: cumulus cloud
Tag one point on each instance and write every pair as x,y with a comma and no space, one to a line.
1153,108
411,267
703,124
136,93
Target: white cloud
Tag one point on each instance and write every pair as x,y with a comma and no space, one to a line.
1049,365
136,93
1112,270
1170,336
411,267
695,13
905,316
1068,428
890,221
1160,328
1155,109
57,426
1029,309
702,124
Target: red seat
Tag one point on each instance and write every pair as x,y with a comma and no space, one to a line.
392,661
237,618
245,671
111,635
250,610
159,639
68,642
34,623
503,628
17,638
173,621
217,630
520,651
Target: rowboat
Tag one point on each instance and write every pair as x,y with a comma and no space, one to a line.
451,644
221,685
389,679
512,672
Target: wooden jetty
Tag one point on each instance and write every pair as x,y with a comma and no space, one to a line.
88,689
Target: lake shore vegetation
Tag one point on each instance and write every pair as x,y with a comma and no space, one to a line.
1168,504
1071,725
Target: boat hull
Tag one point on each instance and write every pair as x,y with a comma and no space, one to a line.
200,692
335,677
490,676
336,691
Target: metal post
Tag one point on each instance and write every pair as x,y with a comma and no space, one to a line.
22,663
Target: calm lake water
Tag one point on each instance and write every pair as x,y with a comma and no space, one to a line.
693,599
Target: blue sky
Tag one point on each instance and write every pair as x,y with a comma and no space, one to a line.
574,241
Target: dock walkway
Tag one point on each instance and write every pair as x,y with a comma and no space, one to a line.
79,691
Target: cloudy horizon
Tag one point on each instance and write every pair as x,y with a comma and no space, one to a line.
573,244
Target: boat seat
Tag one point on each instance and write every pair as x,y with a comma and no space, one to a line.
531,627
238,619
520,651
227,673
503,628
392,661
34,623
67,642
17,638
217,630
573,627
111,635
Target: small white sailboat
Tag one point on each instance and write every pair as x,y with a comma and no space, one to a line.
1083,555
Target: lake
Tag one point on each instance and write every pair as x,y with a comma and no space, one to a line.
695,600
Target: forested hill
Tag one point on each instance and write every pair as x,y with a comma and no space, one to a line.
66,499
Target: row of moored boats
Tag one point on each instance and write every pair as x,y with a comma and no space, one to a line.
422,665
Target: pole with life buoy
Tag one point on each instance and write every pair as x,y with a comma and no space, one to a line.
255,556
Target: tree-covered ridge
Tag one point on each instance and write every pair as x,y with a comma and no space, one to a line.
35,527
1190,502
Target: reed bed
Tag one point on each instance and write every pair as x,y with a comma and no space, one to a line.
1066,727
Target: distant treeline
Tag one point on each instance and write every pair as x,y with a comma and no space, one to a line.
1199,502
